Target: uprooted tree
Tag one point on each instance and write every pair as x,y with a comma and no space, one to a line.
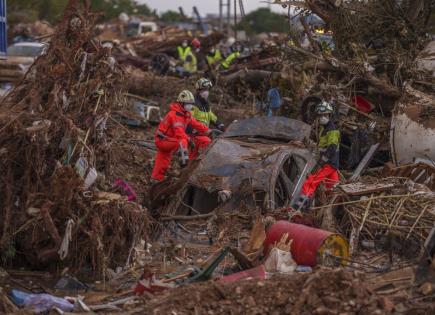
54,118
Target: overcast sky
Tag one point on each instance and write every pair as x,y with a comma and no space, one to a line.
204,6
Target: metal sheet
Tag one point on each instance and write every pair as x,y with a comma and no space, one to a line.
413,128
270,127
426,60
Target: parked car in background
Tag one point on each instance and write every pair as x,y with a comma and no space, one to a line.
20,56
26,49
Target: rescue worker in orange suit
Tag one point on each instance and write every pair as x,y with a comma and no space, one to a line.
171,136
329,147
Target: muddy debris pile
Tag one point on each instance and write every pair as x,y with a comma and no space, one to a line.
324,292
53,143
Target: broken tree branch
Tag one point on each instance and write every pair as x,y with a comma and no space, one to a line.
187,217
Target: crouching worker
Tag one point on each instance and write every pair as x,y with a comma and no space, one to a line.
171,135
329,145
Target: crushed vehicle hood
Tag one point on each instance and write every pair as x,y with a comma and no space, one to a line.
229,162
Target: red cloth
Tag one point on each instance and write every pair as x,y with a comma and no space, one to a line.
326,173
201,143
171,135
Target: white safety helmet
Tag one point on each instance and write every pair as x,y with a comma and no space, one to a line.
203,83
186,97
324,108
230,41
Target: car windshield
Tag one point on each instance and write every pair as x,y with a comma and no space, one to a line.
25,50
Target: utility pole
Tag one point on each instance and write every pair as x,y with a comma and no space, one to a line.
224,4
235,19
182,13
229,16
221,21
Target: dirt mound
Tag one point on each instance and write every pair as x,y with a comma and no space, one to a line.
324,292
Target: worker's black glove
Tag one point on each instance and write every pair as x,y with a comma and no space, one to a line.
214,133
221,127
183,156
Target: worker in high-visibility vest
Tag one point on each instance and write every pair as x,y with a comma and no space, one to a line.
190,65
188,62
214,57
183,50
328,164
235,53
202,111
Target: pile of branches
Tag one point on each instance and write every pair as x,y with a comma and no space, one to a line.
167,40
399,219
55,117
376,44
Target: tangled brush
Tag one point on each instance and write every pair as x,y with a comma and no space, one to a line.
52,128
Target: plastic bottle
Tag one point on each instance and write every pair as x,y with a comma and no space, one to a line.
304,269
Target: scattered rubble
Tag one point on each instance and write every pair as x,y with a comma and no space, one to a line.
77,149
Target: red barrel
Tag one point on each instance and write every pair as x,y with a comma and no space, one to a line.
308,243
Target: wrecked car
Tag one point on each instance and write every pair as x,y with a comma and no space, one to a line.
20,57
260,162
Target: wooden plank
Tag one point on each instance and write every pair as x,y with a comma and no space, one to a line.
394,278
356,189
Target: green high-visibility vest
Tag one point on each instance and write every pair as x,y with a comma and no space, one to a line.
204,117
183,52
217,57
328,137
229,60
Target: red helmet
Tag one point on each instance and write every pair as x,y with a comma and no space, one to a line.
196,43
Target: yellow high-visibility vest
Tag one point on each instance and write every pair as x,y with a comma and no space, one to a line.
217,57
190,66
183,52
229,60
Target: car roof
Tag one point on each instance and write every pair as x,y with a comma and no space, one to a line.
276,127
